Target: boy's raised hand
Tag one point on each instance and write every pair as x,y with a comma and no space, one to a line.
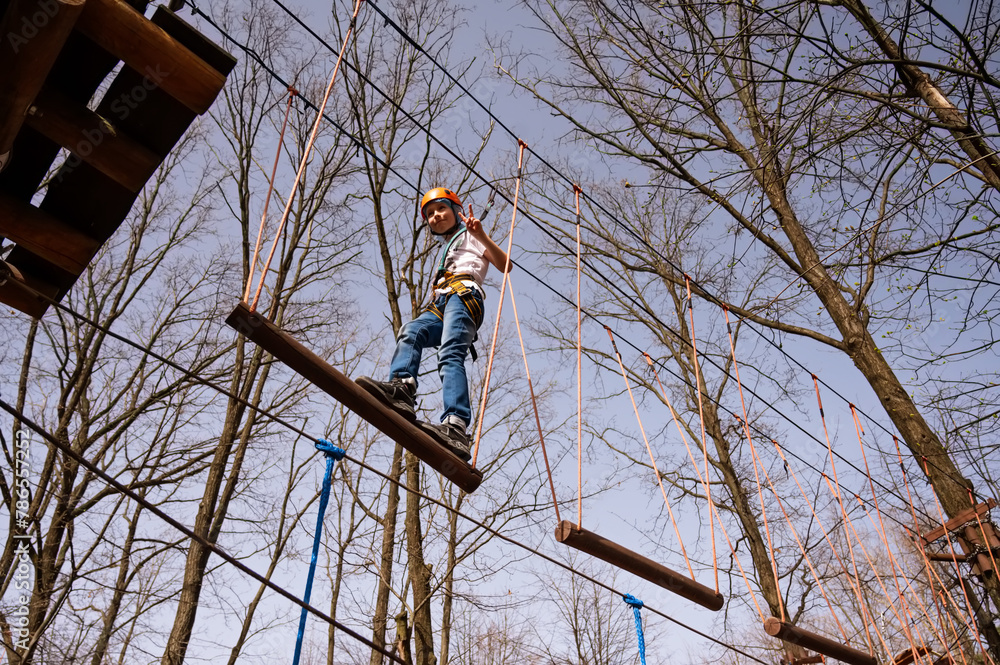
472,223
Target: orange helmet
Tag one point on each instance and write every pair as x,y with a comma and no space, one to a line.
436,194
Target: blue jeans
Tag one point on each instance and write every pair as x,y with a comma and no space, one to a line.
453,336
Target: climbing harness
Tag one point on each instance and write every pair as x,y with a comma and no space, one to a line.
636,605
333,454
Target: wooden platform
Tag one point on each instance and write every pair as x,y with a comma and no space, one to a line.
49,74
321,374
602,548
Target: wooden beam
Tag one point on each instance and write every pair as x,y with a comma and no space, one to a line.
965,516
14,293
591,543
148,49
321,374
34,32
45,236
94,139
824,645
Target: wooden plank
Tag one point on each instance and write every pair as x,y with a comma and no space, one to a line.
589,542
34,32
824,645
94,139
960,519
12,292
321,374
45,236
147,48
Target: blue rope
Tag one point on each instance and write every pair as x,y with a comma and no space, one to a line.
636,607
333,454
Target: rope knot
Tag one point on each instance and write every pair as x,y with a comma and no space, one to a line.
632,600
330,449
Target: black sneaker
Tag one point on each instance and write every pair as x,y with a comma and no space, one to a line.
451,436
397,394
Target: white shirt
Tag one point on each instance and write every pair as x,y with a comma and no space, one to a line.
467,256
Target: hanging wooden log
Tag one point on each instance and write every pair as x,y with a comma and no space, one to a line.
602,548
317,371
34,32
824,645
145,47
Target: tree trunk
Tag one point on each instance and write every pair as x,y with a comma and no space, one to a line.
420,574
381,619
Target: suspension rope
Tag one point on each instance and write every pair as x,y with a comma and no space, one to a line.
687,446
835,488
652,461
805,556
753,455
534,403
292,93
333,454
699,386
521,145
880,530
579,367
636,606
305,155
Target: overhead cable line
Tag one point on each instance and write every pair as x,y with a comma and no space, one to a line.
706,293
124,490
541,227
297,430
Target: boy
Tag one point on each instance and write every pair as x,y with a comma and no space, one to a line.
449,321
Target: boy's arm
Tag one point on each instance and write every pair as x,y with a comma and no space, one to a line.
494,254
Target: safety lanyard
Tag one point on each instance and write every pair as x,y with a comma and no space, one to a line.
444,254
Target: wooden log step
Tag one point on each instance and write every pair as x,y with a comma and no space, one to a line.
321,374
969,515
793,635
590,543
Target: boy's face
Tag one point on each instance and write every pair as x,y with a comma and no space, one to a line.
440,216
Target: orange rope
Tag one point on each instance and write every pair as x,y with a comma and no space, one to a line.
931,573
805,555
880,530
579,369
521,145
534,404
659,479
826,534
835,488
687,446
305,155
756,475
704,436
292,92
